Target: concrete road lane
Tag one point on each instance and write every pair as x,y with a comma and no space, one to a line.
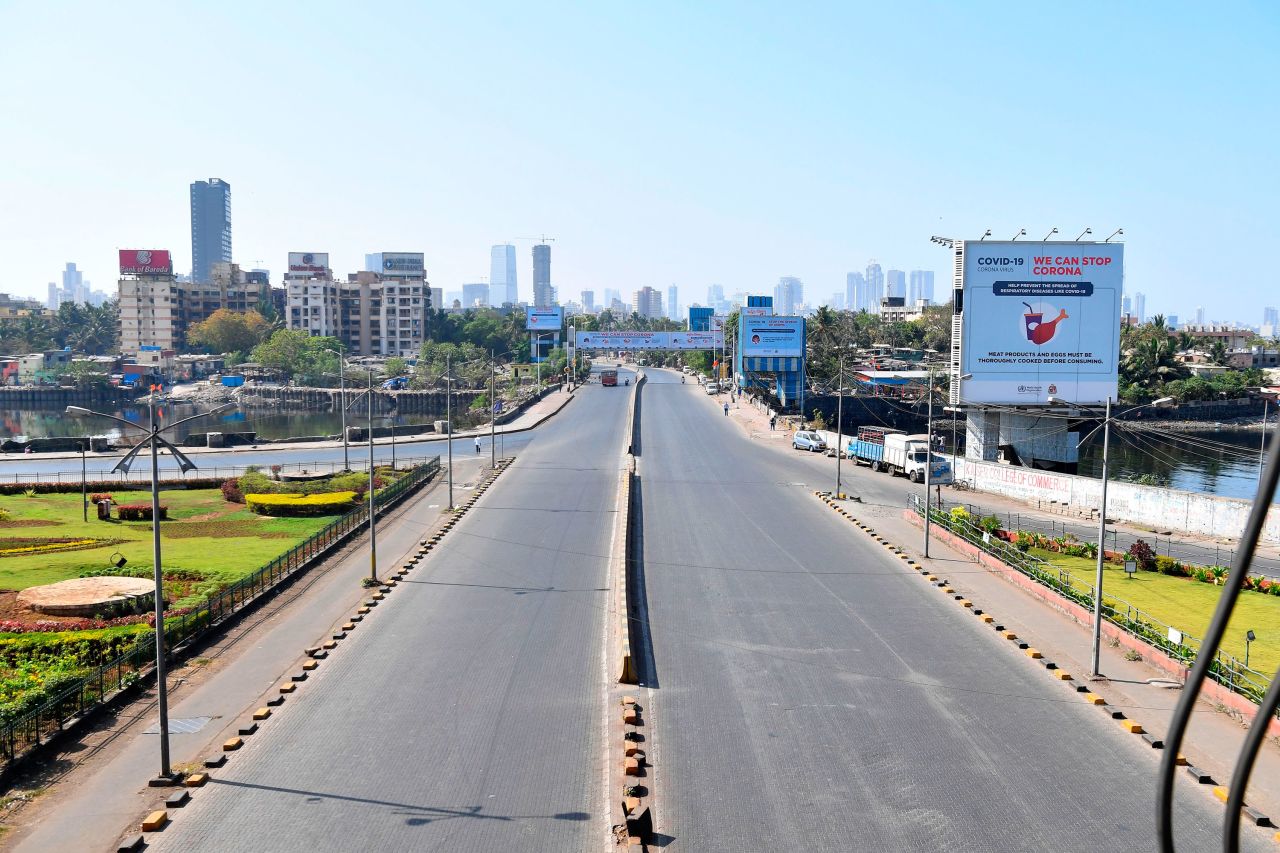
813,695
465,712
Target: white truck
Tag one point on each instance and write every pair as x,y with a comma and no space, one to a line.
908,454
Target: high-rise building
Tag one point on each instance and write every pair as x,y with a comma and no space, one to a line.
1126,305
854,283
673,303
895,283
1140,306
1271,317
1171,321
502,275
74,288
210,227
611,296
920,286
875,286
475,295
788,296
1199,315
542,295
589,301
648,302
715,297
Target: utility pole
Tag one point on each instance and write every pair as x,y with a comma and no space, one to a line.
84,478
1262,443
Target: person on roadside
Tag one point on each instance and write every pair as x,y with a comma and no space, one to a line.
773,422
477,444
726,410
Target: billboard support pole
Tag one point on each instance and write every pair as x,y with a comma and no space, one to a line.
1095,664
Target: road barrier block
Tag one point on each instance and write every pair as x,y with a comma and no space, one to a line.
630,767
195,780
630,748
964,602
1061,675
1094,699
349,626
987,618
310,665
155,821
275,701
248,729
232,744
630,717
330,644
630,804
1008,635
1032,653
262,713
931,578
130,843
1132,727
1201,776
1181,760
1221,792
1256,817
177,799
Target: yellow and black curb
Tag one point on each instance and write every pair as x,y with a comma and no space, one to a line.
157,820
1251,814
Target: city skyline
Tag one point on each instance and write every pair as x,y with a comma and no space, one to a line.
497,132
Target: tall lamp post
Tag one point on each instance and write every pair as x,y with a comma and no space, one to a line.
373,528
342,405
839,421
154,441
928,459
448,376
1095,661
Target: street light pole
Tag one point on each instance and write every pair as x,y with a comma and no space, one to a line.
493,412
373,537
839,425
928,461
448,375
342,397
1262,443
162,684
1095,661
153,438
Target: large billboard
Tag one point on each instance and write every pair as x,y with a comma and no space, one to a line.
409,264
145,262
1041,320
308,263
650,340
772,336
543,319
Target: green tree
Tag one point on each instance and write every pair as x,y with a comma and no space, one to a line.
229,331
298,354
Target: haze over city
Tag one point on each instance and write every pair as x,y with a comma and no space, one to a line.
729,143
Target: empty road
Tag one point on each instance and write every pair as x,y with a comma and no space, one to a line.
812,694
465,714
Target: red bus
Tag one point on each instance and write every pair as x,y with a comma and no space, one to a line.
608,377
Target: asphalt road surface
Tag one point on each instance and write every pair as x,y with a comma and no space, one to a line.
466,713
814,695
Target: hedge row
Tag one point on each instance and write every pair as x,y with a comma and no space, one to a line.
325,503
139,512
104,485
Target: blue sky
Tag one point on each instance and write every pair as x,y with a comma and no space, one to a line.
659,143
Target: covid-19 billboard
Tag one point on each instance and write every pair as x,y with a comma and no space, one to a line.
1041,320
764,337
543,319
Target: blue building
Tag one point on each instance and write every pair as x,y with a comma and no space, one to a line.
700,318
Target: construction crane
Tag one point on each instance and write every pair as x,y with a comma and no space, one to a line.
543,239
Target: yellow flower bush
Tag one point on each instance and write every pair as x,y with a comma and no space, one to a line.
325,503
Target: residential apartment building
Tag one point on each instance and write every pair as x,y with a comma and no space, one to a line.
502,275
149,312
372,313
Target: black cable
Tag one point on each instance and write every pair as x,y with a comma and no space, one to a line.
1208,650
1244,765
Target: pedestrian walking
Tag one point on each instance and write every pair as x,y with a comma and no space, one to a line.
726,410
773,422
477,444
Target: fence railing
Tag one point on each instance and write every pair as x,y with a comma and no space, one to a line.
103,682
1226,669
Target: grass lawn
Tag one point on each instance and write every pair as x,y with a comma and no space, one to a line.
1186,604
205,534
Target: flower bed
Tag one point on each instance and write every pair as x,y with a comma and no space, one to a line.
24,546
327,503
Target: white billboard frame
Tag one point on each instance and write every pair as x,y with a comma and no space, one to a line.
1064,345
649,341
552,319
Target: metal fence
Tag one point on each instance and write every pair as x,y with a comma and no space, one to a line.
1226,669
1161,543
101,684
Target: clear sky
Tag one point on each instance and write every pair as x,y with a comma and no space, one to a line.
659,143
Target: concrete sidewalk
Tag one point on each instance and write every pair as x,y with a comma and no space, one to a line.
96,787
527,420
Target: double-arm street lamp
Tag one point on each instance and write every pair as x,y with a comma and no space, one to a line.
154,441
1105,426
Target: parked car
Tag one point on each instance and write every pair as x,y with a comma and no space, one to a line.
808,440
713,388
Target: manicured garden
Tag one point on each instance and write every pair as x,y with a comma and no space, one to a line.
211,538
